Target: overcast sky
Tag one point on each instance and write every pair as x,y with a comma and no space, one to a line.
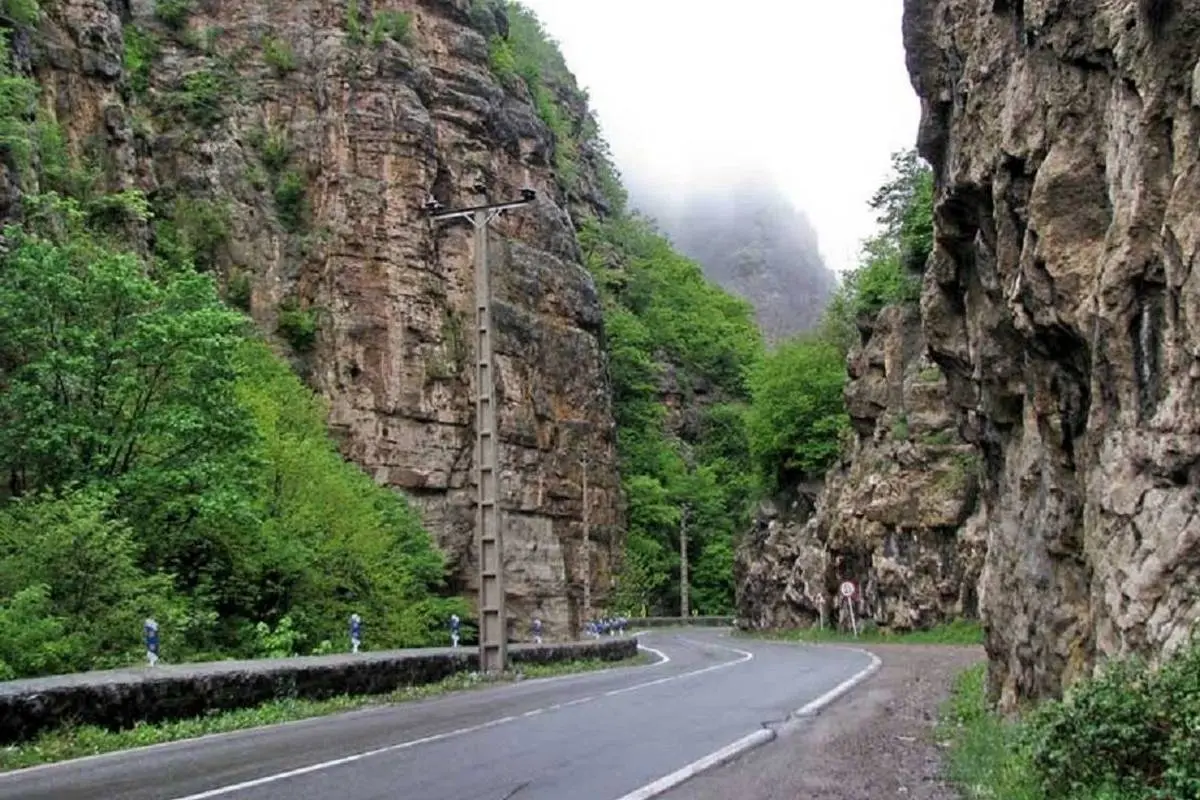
812,93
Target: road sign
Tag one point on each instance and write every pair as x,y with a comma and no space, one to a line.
848,591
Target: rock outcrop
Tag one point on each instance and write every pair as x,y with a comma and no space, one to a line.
897,517
1063,303
321,134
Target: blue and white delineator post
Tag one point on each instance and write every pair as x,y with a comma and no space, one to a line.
454,623
150,636
355,632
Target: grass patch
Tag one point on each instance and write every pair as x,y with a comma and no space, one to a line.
394,25
173,13
1129,733
68,743
938,438
986,759
958,632
279,55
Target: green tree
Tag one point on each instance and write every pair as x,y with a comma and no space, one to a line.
905,207
797,416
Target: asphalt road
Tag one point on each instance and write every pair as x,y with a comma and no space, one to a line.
594,736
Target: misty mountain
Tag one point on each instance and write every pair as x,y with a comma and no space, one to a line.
752,241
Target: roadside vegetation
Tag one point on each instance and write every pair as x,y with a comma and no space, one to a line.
958,632
89,740
157,458
1133,733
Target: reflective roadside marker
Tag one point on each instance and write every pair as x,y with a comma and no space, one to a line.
150,635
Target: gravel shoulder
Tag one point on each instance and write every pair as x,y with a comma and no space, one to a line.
876,742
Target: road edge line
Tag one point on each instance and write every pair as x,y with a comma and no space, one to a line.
710,761
760,737
382,708
815,707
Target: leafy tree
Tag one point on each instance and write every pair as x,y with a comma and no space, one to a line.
797,416
892,260
905,207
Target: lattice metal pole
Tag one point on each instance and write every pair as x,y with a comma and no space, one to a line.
493,631
489,531
587,546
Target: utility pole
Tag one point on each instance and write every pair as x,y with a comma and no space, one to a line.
683,561
489,531
587,546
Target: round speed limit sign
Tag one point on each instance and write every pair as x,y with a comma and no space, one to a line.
847,589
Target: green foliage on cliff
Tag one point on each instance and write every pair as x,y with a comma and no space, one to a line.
1127,734
529,55
675,338
892,260
798,415
797,420
394,25
158,459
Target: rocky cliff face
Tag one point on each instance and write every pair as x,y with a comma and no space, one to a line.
296,141
752,242
1063,303
897,516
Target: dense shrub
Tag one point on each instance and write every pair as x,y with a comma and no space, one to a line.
1133,732
1129,734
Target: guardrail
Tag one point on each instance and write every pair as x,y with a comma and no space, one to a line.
117,699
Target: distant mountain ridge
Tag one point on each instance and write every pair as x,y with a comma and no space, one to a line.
752,241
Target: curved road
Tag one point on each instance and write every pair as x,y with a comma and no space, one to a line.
595,736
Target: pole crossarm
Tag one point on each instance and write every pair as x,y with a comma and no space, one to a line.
489,529
439,215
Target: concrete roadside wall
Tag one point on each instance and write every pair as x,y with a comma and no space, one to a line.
117,699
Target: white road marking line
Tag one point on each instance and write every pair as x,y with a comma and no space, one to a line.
668,782
337,762
759,737
745,656
663,658
809,709
179,744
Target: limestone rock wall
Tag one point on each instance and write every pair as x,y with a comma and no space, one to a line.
1063,303
897,516
371,129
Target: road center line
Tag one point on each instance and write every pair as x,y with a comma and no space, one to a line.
337,762
745,656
